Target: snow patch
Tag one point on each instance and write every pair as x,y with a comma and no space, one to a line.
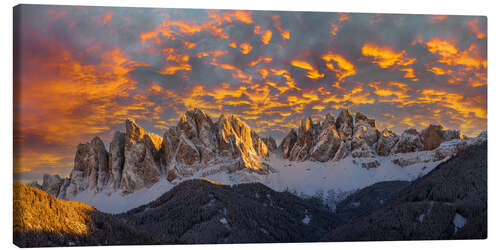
225,223
117,203
459,221
306,220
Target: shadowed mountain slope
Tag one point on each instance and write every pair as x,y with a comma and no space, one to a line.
201,211
448,203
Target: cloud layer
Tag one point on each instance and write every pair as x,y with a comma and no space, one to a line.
80,71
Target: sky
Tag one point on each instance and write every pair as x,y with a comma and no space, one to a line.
79,72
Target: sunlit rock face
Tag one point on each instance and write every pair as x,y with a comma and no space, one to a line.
386,141
142,158
239,144
198,144
91,167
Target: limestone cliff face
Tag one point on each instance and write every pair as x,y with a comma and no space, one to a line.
306,140
116,159
356,135
141,166
138,159
199,146
386,141
91,169
238,143
328,142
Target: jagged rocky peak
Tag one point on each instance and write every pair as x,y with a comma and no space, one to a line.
306,140
365,136
386,142
91,169
329,120
199,144
141,166
201,130
134,134
328,142
238,140
357,135
409,141
366,129
345,124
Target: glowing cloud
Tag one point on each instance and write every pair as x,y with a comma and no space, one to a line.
385,56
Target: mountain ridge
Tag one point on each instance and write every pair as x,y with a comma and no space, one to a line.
198,146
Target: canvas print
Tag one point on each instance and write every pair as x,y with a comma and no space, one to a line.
193,126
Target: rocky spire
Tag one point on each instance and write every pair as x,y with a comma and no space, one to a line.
386,142
116,159
306,139
409,141
344,124
287,143
91,169
141,167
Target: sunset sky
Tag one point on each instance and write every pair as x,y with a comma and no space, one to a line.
81,71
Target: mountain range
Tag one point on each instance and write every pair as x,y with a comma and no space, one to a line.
228,149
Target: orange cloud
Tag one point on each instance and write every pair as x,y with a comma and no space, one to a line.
261,59
473,26
410,73
312,73
343,69
108,17
245,48
338,23
285,34
452,56
385,56
437,19
266,37
437,71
